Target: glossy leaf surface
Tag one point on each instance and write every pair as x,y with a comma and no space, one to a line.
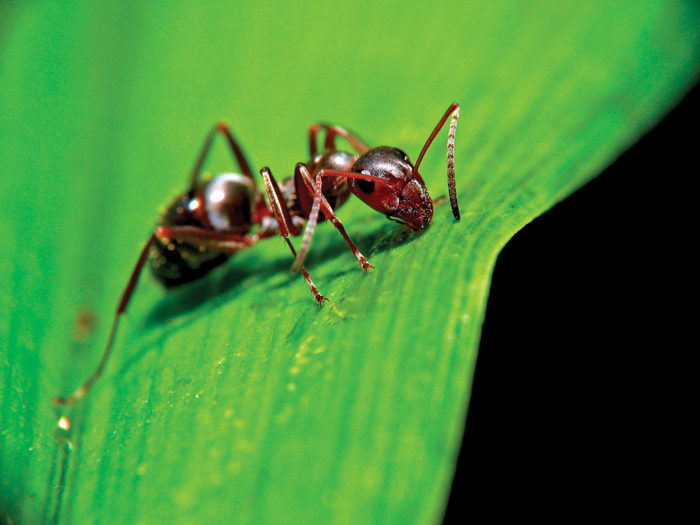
236,399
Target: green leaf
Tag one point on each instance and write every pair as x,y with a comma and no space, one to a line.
235,398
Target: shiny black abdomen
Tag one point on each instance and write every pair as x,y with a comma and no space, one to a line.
183,263
224,205
176,263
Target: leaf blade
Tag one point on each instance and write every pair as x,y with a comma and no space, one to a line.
348,414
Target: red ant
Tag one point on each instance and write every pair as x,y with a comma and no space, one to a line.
213,219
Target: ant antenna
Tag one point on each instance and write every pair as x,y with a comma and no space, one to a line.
454,109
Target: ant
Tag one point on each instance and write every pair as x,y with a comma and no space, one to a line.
214,218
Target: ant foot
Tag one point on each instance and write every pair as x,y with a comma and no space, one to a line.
366,266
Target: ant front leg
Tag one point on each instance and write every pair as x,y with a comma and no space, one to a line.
284,220
121,308
321,202
237,151
331,132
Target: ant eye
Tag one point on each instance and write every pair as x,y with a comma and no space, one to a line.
366,185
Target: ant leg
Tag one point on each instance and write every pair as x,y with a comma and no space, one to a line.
223,128
321,202
454,109
281,212
121,308
221,241
331,132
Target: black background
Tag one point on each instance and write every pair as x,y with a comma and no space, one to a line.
571,388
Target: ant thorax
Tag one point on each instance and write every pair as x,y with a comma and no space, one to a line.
334,189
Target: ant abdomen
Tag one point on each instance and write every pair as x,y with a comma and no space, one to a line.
222,204
178,263
228,202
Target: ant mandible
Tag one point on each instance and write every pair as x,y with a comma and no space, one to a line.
214,218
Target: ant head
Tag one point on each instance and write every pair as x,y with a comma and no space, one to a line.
392,187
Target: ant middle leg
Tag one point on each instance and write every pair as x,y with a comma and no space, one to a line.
210,239
321,203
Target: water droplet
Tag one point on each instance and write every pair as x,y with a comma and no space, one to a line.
64,423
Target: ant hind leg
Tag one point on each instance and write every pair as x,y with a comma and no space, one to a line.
121,308
236,150
331,132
